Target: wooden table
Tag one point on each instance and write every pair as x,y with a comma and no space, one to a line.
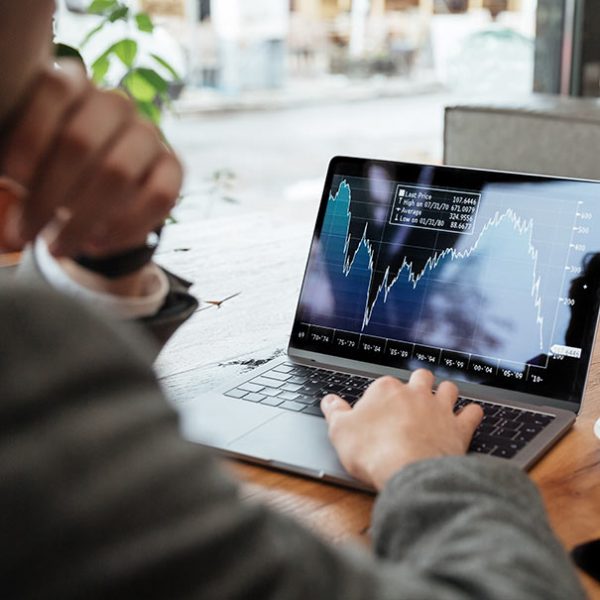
261,257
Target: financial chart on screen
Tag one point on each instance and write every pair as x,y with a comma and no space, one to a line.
482,282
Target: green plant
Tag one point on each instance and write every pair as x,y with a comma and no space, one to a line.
148,87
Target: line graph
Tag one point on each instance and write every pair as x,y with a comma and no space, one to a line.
383,277
414,276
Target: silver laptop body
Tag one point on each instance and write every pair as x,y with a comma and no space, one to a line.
489,279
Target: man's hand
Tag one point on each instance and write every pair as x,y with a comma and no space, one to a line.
395,424
95,177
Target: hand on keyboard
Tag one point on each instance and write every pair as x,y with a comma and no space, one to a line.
395,424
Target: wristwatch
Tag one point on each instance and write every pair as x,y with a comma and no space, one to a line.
125,263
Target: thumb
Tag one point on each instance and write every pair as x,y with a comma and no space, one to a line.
469,419
332,406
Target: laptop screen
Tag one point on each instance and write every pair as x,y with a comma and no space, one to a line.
484,277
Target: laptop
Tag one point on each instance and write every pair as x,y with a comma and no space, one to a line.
489,279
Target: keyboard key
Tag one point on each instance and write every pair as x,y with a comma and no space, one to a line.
542,420
251,387
485,428
283,369
535,419
337,379
509,413
307,399
266,381
278,376
506,433
331,389
254,397
515,445
313,410
290,387
526,434
236,393
295,406
504,452
272,392
310,388
298,370
511,424
350,394
272,401
483,444
297,380
288,395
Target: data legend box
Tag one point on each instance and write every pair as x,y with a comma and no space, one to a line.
435,208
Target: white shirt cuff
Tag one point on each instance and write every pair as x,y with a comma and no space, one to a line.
155,285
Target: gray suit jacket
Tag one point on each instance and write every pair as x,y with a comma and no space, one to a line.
101,498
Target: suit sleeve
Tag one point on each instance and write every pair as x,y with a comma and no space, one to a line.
178,306
101,498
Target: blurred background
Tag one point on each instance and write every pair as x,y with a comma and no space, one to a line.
270,90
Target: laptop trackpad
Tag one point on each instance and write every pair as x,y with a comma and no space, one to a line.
293,440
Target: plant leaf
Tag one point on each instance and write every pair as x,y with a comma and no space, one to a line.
163,63
64,51
119,14
101,7
90,34
140,89
126,50
144,22
150,111
155,80
100,68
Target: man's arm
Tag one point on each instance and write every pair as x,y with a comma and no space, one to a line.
100,497
86,176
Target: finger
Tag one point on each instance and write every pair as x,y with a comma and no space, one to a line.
76,152
11,199
152,205
469,418
333,406
447,392
113,188
57,91
422,378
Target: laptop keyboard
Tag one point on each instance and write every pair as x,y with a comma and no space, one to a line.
503,432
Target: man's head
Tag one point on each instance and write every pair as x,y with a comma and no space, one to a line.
25,42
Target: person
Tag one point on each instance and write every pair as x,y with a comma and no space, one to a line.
99,495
